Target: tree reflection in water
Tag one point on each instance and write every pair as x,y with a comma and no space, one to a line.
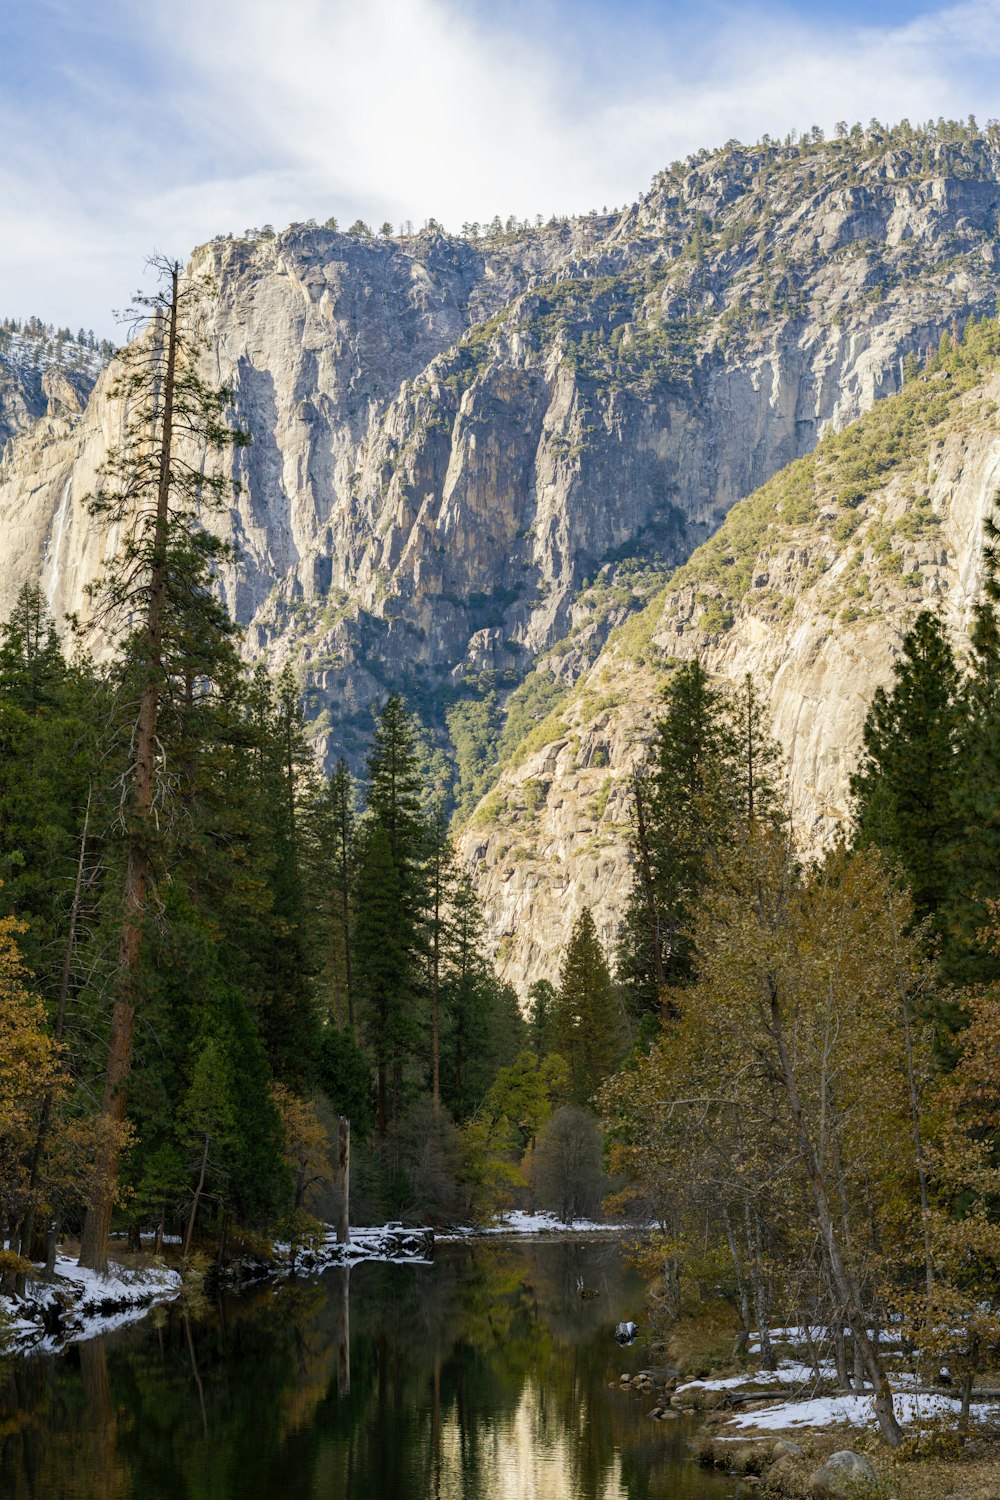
485,1375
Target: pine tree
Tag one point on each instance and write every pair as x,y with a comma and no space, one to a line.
329,853
903,787
755,789
50,730
161,577
974,850
392,984
284,787
541,1004
586,1017
383,966
681,808
481,1024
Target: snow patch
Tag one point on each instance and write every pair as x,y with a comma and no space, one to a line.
852,1411
80,1303
519,1221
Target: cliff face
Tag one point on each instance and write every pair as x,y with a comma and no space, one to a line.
809,588
466,452
44,372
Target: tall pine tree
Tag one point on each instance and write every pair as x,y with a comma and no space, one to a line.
903,788
157,592
585,1024
680,808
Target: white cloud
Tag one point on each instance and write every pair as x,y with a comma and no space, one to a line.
267,110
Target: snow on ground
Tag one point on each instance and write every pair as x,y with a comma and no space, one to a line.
789,1372
912,1405
119,1285
520,1221
80,1303
853,1411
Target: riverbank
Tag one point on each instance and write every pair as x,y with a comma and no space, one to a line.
77,1304
793,1432
846,1464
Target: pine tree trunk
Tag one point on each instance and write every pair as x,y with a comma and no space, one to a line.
97,1224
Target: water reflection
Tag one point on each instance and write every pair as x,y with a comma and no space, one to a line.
481,1378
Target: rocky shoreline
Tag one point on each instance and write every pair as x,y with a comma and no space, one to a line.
766,1439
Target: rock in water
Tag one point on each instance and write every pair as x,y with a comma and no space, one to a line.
626,1332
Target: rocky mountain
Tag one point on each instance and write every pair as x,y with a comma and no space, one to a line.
45,371
475,457
809,586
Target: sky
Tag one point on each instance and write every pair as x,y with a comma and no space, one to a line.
135,126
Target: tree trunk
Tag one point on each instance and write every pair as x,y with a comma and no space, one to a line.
189,1232
918,1146
343,1180
843,1277
51,1244
746,1328
97,1224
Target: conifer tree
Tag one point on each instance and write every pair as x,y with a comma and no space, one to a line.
974,850
342,818
330,851
755,789
586,1019
389,931
282,944
467,1000
541,1004
680,812
160,577
903,788
50,717
383,963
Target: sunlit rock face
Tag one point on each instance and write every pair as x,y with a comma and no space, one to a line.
453,437
818,630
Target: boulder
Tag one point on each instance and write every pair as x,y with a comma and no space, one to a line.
845,1476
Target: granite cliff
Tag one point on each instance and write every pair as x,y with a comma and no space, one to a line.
474,458
809,585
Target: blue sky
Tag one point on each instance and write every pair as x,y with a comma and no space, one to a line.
129,127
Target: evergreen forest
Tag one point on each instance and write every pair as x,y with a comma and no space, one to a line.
212,953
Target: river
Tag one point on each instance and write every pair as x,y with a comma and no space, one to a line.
484,1376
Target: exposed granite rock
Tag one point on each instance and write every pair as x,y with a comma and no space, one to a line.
818,629
453,437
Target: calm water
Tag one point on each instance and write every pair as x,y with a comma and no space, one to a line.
482,1377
